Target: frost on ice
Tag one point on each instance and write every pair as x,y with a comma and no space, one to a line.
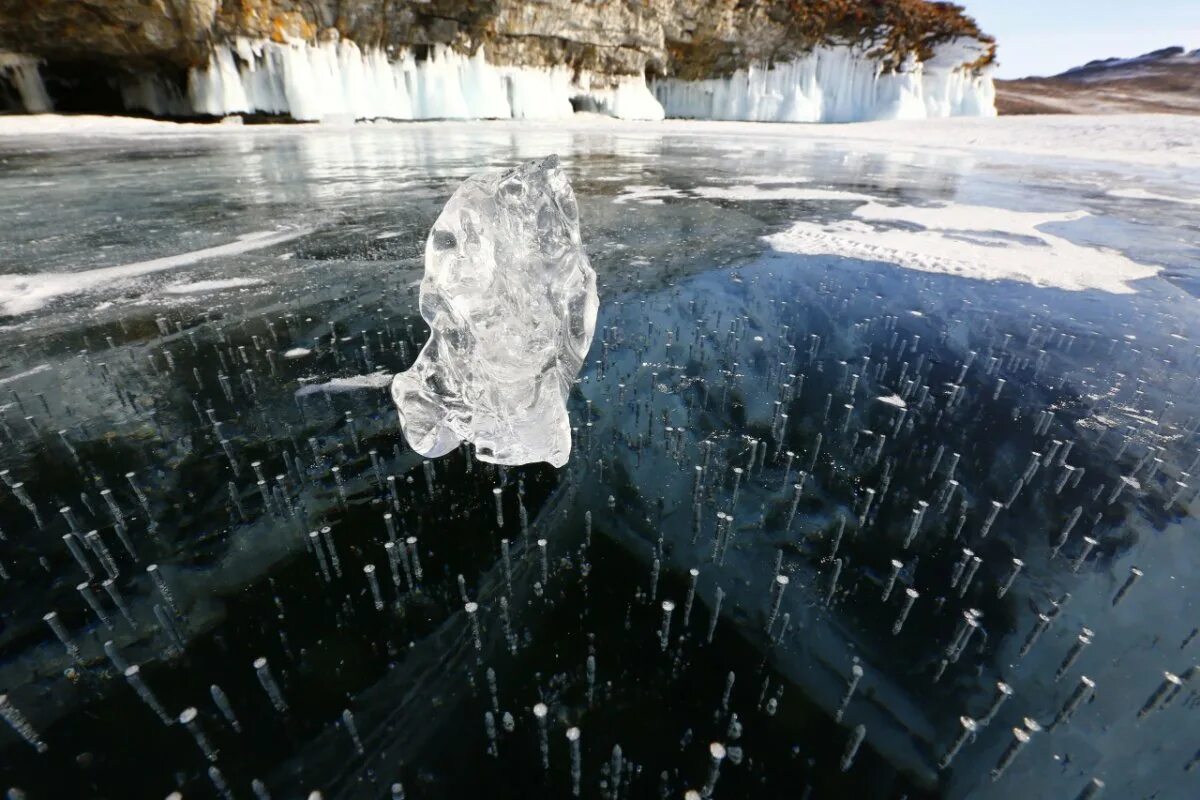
511,303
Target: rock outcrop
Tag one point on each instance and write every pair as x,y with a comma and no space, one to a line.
212,57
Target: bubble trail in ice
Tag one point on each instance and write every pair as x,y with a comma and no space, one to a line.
511,302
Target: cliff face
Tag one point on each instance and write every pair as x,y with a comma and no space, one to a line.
81,44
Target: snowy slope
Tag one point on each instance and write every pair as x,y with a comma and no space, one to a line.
1163,81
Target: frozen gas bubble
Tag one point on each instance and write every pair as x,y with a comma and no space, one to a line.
510,298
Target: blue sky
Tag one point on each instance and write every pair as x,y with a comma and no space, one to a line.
1044,37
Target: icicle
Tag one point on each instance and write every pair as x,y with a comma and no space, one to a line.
223,705
890,583
17,721
664,634
855,741
1134,575
969,727
134,678
1080,695
1003,692
267,680
716,752
1020,739
1007,583
716,615
856,673
188,719
60,631
1081,641
1170,683
910,597
352,729
576,760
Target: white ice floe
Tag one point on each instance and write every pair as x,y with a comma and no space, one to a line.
1143,194
775,193
338,80
25,374
352,383
297,352
201,287
20,294
646,194
970,242
840,83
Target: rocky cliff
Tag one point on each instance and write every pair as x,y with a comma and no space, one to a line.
189,57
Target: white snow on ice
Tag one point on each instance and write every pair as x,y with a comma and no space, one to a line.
200,287
20,294
25,374
1143,194
353,383
971,242
646,194
775,193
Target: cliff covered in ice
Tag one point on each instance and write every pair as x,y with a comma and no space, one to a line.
770,60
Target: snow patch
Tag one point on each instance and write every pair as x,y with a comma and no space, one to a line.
297,352
776,193
199,287
971,242
20,294
1143,194
652,195
353,383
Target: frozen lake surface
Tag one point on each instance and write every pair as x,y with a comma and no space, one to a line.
971,344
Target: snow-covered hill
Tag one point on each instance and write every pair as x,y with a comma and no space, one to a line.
1164,81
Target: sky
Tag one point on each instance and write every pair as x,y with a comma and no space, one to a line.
1045,37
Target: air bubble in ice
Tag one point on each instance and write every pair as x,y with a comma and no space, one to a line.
511,303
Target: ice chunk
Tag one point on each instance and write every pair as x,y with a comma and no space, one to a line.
511,303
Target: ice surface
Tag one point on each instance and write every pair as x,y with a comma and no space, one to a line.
1143,194
511,302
